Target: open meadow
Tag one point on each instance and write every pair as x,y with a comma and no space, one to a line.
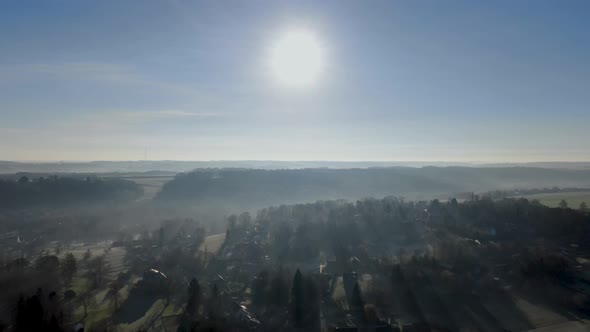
151,184
573,199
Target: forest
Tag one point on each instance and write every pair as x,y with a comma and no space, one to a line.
443,266
55,191
91,252
258,188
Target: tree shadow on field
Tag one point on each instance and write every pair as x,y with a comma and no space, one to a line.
137,304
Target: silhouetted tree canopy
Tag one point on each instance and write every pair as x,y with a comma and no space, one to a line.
267,187
194,298
54,190
297,299
32,314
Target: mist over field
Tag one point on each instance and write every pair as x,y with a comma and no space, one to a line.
125,242
170,166
266,187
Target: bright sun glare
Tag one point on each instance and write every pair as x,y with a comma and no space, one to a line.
296,58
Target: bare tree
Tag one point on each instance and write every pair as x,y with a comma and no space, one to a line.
97,269
68,268
113,292
563,204
88,300
87,255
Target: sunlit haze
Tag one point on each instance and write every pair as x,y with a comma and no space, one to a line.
294,165
296,58
299,80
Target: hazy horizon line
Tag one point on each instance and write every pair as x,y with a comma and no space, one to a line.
477,162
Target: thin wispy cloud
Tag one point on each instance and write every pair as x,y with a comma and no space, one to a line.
108,73
123,120
402,82
163,114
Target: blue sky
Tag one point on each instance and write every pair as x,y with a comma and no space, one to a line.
402,80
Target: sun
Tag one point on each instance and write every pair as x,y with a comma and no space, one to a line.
296,59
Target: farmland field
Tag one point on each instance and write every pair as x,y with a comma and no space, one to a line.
573,199
150,184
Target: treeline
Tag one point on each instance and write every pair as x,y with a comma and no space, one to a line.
256,187
52,191
300,232
417,253
43,309
499,194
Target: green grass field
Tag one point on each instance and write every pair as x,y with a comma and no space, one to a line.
100,308
573,199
